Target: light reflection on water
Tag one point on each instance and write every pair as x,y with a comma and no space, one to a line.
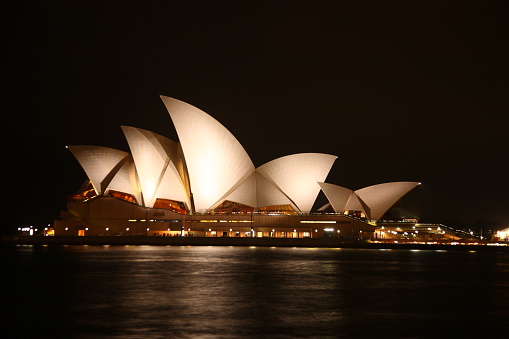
239,292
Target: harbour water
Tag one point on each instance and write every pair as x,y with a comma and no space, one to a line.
60,291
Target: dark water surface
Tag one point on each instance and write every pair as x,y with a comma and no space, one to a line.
241,292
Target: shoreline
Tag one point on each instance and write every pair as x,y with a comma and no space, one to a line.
220,241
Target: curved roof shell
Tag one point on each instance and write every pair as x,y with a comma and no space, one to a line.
267,194
338,196
374,200
256,191
126,180
99,163
154,157
356,204
244,193
209,166
297,175
215,160
381,197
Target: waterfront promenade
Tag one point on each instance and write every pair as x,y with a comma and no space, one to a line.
244,241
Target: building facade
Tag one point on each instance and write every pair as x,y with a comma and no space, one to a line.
206,185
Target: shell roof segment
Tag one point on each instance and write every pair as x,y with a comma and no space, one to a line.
338,196
373,200
126,180
154,158
99,163
215,160
381,197
209,166
297,175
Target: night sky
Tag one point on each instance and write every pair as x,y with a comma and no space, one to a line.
398,90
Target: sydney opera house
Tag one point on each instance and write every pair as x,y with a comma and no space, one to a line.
205,185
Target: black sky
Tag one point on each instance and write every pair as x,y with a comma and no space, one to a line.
398,90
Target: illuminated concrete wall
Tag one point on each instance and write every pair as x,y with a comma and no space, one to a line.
110,216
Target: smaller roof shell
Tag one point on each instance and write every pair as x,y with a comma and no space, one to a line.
298,175
99,163
381,197
374,200
338,196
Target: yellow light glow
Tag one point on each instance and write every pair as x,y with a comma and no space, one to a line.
317,222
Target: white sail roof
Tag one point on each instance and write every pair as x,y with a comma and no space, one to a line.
356,204
153,155
245,193
126,180
297,175
374,200
99,163
381,197
209,166
171,187
269,195
215,160
338,196
256,191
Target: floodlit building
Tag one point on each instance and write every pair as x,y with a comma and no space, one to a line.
371,202
206,185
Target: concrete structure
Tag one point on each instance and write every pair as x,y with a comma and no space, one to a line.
112,216
404,232
206,185
372,201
